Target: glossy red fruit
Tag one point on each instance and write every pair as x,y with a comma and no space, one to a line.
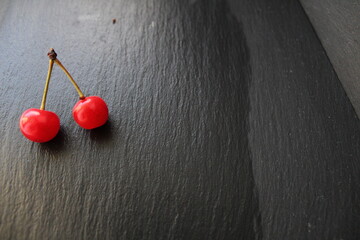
91,112
39,125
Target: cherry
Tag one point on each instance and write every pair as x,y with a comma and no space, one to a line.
39,125
90,112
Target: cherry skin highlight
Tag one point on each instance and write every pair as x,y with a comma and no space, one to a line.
90,112
39,125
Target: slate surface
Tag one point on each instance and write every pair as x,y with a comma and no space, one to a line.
337,25
227,122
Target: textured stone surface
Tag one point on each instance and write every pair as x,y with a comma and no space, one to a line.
227,121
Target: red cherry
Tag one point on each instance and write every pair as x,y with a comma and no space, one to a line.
90,112
39,125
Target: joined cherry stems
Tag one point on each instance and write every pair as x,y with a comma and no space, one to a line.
52,55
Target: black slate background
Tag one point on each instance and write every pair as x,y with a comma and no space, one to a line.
227,121
337,25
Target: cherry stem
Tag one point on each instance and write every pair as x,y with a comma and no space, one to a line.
52,55
81,95
43,102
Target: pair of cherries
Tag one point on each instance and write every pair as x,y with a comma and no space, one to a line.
39,125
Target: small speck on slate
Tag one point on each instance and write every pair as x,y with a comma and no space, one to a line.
114,20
